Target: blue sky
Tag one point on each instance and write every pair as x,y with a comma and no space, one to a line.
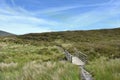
33,16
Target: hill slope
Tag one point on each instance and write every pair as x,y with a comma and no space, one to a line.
94,43
3,33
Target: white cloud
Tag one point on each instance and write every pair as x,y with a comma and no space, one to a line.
23,28
64,8
92,17
23,24
19,21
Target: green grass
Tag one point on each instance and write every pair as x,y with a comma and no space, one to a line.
105,69
41,71
20,53
97,49
29,62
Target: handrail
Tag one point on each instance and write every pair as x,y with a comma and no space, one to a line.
85,75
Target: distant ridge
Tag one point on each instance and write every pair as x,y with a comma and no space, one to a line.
3,33
74,36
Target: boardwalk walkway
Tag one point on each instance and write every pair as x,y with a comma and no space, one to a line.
85,75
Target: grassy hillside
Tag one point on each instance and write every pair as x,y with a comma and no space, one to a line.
75,36
25,55
94,43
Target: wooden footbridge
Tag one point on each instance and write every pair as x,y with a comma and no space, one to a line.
79,59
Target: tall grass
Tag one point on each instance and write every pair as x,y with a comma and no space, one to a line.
105,69
42,71
22,53
13,59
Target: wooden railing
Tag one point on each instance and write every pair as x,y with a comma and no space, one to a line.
81,56
68,56
85,75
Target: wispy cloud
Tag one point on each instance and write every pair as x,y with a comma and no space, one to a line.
65,8
19,20
20,25
13,3
93,17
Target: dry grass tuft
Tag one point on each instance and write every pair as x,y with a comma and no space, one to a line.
6,66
